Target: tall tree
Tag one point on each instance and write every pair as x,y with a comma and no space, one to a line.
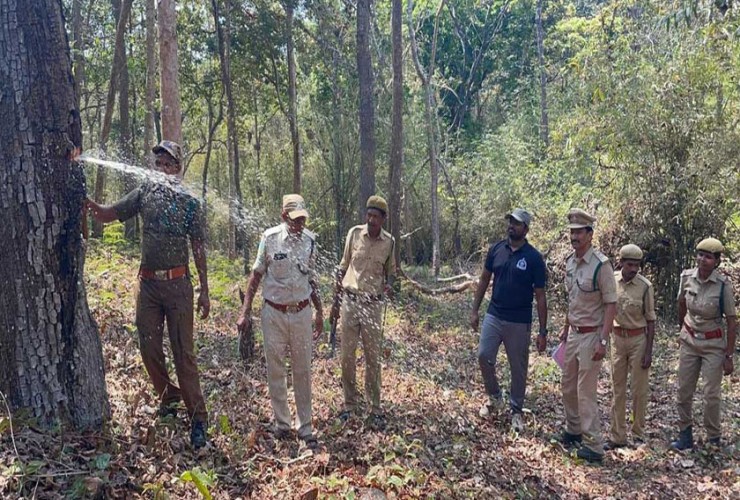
367,106
113,82
430,117
292,97
169,80
51,357
544,122
395,173
151,75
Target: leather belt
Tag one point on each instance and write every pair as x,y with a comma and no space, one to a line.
628,332
288,308
584,329
711,334
362,296
163,274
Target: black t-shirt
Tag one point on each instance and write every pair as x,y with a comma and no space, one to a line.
515,276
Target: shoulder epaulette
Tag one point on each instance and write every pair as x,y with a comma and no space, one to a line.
310,234
273,230
644,280
687,272
599,255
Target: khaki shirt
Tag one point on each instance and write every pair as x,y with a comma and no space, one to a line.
635,302
586,301
368,262
287,262
703,300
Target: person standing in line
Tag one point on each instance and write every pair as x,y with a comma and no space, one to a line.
592,297
286,258
365,278
632,346
704,298
519,275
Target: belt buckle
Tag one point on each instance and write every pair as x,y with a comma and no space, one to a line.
161,274
291,309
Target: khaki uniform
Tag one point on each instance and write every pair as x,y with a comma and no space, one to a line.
286,262
367,262
706,302
635,307
586,299
170,217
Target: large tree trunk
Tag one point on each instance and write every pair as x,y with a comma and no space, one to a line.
544,122
79,47
151,75
118,58
395,172
430,116
367,107
170,83
51,357
292,98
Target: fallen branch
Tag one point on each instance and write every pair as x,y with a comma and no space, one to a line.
465,276
460,287
407,235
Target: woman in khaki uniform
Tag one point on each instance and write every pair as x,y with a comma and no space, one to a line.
704,297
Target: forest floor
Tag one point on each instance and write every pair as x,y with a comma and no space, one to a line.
434,446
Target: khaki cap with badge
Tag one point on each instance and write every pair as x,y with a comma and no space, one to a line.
294,206
579,218
170,147
630,252
378,203
711,245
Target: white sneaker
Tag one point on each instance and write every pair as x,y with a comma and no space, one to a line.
517,423
493,406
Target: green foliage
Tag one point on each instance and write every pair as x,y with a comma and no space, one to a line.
202,480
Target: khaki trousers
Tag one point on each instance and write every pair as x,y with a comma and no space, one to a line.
626,359
361,319
170,301
285,332
580,378
706,357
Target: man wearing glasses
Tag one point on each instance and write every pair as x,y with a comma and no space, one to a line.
592,297
286,259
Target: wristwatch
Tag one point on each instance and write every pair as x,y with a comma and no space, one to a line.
543,332
604,342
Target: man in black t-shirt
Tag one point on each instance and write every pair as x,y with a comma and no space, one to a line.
519,275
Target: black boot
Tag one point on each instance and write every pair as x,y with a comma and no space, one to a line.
198,434
685,440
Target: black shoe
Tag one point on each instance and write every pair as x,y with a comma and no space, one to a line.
167,410
377,421
569,439
715,441
198,434
589,455
282,434
311,442
345,415
685,440
611,445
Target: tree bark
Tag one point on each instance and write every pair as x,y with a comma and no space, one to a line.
430,107
51,357
544,122
367,106
395,172
292,98
169,80
78,46
151,75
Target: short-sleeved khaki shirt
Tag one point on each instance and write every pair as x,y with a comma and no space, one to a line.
287,262
586,296
635,302
703,299
170,215
368,262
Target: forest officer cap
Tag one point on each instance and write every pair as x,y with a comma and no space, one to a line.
521,215
579,218
711,245
378,203
630,252
294,206
173,148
